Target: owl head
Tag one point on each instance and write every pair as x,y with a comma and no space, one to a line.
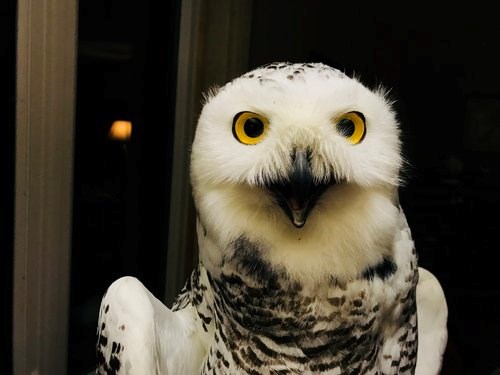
302,161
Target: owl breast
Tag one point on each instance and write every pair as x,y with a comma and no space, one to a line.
266,324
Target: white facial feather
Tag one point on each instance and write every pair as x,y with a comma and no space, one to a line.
352,223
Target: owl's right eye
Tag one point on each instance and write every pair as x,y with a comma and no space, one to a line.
249,128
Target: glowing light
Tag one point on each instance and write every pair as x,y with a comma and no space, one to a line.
120,130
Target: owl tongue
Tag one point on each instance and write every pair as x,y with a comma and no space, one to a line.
298,205
294,204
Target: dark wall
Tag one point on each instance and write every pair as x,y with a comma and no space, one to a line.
440,65
126,70
7,151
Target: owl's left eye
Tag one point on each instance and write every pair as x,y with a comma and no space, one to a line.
351,125
249,128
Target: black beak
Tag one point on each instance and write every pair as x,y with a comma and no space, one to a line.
299,193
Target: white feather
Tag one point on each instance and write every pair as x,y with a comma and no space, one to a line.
432,315
152,338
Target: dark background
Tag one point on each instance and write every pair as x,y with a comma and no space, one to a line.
440,64
126,70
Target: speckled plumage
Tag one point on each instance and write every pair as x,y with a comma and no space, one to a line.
307,264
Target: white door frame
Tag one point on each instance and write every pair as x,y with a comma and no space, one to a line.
46,45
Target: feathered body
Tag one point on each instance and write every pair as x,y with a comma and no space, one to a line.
307,265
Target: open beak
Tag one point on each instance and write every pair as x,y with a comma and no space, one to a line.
298,194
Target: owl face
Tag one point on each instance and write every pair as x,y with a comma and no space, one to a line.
292,149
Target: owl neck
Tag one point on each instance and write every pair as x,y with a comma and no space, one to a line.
249,292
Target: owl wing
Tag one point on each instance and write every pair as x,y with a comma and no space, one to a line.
138,335
432,315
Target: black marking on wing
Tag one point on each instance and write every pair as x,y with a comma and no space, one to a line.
113,365
102,340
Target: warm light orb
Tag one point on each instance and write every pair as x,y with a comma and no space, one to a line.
120,130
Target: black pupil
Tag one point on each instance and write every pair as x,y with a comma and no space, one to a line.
346,127
253,127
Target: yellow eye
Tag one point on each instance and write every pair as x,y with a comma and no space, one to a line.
249,128
351,125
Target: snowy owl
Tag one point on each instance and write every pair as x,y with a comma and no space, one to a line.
307,264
